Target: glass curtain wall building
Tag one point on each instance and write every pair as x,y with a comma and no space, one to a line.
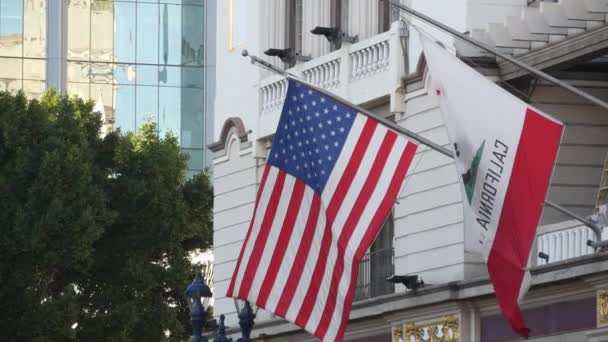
23,46
144,59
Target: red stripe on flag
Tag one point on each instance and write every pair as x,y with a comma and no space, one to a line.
375,225
283,241
260,242
230,291
349,228
521,211
332,209
296,270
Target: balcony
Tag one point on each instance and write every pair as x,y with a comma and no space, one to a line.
563,240
361,72
374,268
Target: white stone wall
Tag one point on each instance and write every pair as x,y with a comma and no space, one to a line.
235,180
237,80
582,153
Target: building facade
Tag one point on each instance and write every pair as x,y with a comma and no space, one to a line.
384,72
144,60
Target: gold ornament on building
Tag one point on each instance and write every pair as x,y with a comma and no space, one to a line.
445,330
602,306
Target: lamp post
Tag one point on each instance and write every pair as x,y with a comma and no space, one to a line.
198,295
246,320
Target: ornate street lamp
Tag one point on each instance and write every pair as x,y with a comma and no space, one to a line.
246,319
198,295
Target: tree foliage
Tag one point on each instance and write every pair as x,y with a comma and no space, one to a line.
94,230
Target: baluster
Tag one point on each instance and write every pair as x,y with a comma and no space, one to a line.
381,56
376,62
277,96
285,84
570,236
325,72
565,244
270,97
338,69
277,87
336,73
386,54
366,61
553,252
330,74
355,64
359,55
577,243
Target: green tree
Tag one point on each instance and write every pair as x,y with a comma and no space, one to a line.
94,230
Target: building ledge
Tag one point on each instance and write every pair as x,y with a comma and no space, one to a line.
558,272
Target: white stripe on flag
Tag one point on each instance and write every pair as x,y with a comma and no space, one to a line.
255,228
342,162
346,208
307,270
273,237
291,251
372,206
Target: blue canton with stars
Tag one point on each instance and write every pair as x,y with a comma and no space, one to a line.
311,133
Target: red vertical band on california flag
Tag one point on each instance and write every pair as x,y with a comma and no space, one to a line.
536,153
230,291
260,242
375,225
283,241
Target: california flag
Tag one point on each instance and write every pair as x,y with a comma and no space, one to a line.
505,154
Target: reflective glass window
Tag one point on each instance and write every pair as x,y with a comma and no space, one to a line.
124,32
173,75
170,35
192,77
102,30
195,163
101,73
182,2
124,107
147,33
147,74
124,73
169,111
79,71
104,94
82,90
146,102
34,69
11,28
192,35
79,28
192,118
34,28
11,68
34,89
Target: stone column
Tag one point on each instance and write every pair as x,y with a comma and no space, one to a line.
273,28
363,18
315,13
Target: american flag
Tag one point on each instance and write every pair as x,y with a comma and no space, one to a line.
330,181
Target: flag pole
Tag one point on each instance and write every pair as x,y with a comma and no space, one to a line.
402,130
390,124
534,71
